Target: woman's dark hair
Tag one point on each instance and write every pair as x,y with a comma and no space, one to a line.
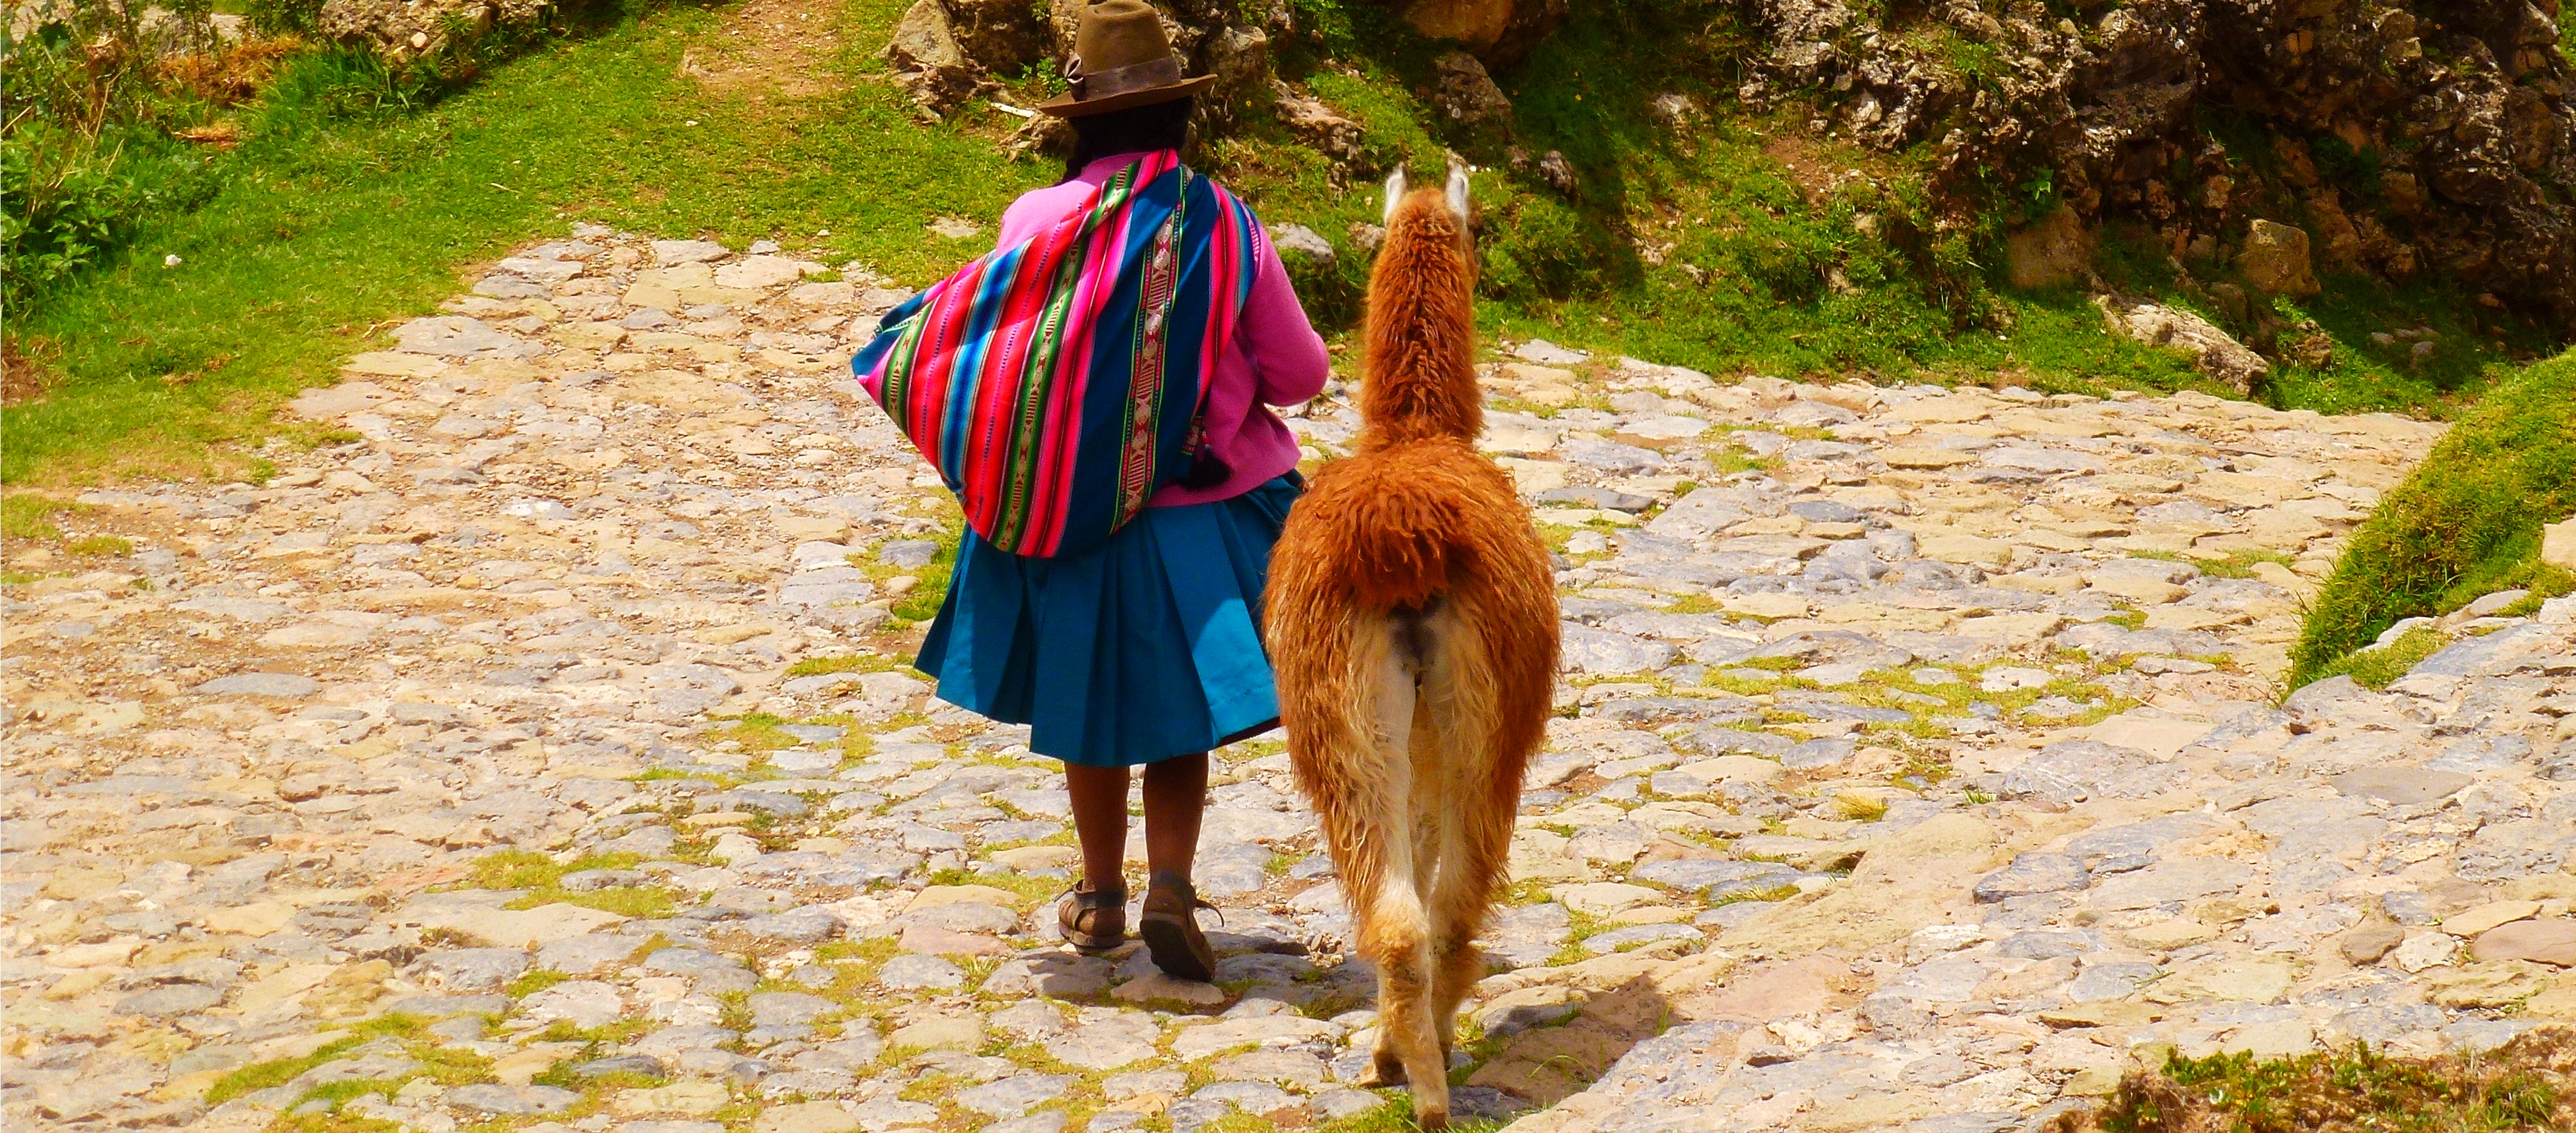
1154,126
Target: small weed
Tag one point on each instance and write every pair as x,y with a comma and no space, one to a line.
534,981
100,546
2240,564
1861,808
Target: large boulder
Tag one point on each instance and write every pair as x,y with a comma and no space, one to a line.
1498,31
2275,259
2211,350
2052,252
947,51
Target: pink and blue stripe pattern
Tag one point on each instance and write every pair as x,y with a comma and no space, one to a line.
1057,382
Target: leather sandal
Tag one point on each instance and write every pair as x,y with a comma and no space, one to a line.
1171,929
1093,920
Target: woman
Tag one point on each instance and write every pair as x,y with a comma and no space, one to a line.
1144,650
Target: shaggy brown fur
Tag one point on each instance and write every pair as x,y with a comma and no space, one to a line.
1412,621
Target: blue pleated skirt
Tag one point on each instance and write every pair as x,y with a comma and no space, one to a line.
1144,648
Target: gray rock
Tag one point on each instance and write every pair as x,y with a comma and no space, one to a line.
1584,649
1043,1121
913,972
1302,241
2072,771
471,969
2049,944
1609,456
2490,655
2401,786
1342,1105
261,684
644,1065
788,1008
456,336
2033,872
710,973
908,553
2171,883
803,926
512,1101
2118,849
1602,943
1715,878
2110,981
1013,1096
582,955
170,1000
1605,498
2481,753
593,880
1818,753
1105,1045
669,252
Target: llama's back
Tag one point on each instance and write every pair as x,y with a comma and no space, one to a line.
1386,537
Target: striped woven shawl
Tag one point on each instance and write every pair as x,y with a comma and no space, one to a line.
1055,383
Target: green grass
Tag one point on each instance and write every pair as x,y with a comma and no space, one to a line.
2521,1086
542,877
922,602
2379,666
278,1072
332,224
854,663
1736,244
2461,525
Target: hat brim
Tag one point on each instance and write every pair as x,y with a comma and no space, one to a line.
1067,106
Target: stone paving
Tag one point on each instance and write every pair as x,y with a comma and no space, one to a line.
538,754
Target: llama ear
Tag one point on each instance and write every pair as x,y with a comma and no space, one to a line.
1458,190
1394,194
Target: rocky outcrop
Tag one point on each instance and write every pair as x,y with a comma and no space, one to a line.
2399,141
402,30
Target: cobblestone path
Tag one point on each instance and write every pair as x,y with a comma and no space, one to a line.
539,755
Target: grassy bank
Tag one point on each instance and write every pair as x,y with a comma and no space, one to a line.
2464,524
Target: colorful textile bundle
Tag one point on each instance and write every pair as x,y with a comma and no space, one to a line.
1057,382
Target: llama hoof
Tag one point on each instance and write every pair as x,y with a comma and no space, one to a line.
1383,1071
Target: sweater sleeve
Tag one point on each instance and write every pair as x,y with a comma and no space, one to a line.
1287,355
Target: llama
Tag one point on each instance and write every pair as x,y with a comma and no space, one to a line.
1411,617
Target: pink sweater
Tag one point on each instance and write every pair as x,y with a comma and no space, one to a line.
1277,359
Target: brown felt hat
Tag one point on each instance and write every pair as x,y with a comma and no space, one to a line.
1121,58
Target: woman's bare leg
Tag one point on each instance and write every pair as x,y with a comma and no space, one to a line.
1099,797
1175,799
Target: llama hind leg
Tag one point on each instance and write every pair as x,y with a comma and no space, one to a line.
1371,824
1475,818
